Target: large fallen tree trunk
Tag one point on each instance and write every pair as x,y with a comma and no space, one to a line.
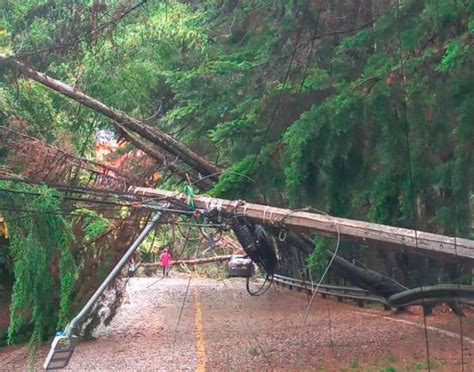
400,239
195,261
376,283
152,134
368,279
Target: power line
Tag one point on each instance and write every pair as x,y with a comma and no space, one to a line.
410,172
132,199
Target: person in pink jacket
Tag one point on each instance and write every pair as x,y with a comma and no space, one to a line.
165,260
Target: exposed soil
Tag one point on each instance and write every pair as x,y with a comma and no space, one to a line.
4,317
223,328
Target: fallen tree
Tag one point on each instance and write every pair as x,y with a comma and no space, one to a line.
194,261
404,240
376,283
122,120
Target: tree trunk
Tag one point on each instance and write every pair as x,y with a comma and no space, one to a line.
196,261
121,119
148,148
370,280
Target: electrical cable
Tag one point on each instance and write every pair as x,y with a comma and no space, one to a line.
277,107
456,232
331,342
461,327
410,173
102,201
179,317
63,212
263,288
179,255
312,209
149,251
67,188
86,190
315,290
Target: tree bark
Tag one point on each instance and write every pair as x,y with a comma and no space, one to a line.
203,184
370,280
383,236
121,119
195,261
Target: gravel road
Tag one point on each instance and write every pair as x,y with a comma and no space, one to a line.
221,328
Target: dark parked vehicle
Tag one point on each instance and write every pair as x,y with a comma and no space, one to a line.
240,267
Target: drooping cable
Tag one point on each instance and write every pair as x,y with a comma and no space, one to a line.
267,283
461,327
277,106
179,317
456,232
323,276
410,173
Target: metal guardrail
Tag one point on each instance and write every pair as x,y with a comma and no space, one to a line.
456,293
426,296
359,295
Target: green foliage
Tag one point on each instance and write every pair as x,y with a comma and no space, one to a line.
455,51
320,107
92,223
318,260
236,180
327,130
39,246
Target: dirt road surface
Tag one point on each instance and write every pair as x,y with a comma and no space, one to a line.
216,326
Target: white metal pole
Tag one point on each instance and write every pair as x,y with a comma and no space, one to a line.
70,327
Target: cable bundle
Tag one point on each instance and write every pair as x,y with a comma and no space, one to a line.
258,245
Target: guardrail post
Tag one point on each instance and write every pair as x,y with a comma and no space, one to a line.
357,295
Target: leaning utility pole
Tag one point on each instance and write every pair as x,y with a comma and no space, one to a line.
400,239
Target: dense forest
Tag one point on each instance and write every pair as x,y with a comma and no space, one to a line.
362,109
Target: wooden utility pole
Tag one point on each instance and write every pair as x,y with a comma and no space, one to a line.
400,239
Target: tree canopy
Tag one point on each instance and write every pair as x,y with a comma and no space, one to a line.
363,109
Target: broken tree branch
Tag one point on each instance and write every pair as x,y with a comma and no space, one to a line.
195,261
149,149
121,119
